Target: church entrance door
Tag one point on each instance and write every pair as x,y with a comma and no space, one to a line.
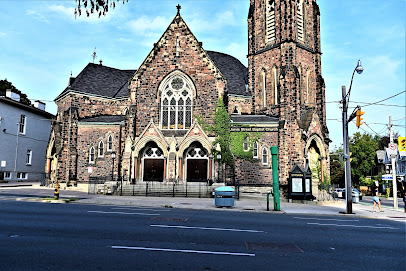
196,170
153,170
153,164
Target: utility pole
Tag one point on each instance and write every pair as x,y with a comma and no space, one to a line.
346,147
393,157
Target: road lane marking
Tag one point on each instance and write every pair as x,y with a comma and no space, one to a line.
186,251
121,213
203,228
354,226
333,219
141,209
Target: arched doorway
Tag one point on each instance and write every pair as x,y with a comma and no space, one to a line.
153,163
196,163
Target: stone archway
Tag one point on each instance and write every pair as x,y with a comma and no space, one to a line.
315,158
197,163
153,163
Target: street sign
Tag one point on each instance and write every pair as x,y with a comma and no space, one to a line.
392,149
387,177
3,163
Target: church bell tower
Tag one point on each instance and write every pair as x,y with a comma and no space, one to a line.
284,66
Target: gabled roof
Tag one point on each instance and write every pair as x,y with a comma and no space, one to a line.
101,81
178,21
234,71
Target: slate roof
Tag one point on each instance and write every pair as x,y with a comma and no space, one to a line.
109,82
101,81
253,119
234,71
104,119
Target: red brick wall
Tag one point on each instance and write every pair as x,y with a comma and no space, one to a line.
192,60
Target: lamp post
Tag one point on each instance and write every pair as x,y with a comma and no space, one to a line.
346,145
218,168
113,156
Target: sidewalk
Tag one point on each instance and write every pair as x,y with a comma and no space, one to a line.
34,192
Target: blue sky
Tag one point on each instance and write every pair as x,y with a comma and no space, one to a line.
41,43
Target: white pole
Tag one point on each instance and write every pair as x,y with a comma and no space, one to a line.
394,183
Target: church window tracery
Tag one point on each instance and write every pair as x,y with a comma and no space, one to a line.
176,104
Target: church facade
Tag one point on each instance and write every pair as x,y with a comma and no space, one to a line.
142,125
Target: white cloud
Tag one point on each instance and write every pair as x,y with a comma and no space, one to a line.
2,34
146,24
37,15
69,12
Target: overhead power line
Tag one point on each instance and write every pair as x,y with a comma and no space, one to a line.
368,104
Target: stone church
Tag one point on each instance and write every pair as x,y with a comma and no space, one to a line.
141,125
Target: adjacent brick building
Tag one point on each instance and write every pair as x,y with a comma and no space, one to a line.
147,117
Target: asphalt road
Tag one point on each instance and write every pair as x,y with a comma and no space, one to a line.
46,236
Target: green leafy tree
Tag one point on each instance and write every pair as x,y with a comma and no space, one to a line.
6,85
363,148
337,167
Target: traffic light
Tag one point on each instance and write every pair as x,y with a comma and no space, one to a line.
359,114
402,143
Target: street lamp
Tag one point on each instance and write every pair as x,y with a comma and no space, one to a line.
345,100
218,168
113,156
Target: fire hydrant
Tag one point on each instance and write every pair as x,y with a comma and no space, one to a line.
56,193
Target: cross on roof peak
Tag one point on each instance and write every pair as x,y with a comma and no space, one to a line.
178,7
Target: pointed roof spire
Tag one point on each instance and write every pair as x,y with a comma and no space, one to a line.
178,7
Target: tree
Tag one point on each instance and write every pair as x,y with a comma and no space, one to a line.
337,167
99,7
363,149
6,85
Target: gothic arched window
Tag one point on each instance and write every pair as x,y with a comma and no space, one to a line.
265,156
245,144
110,143
91,156
255,150
270,20
101,149
176,103
275,86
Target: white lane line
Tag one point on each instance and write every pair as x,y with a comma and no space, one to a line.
186,251
203,228
141,209
333,219
353,226
121,213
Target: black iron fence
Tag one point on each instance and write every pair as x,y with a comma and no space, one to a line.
167,188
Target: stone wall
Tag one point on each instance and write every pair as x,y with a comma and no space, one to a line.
90,136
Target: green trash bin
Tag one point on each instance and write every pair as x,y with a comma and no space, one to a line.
224,196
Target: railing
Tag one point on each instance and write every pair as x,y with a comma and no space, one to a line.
167,188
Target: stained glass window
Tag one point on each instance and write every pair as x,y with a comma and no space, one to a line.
176,103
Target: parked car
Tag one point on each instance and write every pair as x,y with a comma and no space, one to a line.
338,193
355,192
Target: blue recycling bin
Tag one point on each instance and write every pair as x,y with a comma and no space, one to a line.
224,196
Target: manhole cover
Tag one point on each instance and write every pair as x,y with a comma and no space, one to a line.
170,218
274,247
